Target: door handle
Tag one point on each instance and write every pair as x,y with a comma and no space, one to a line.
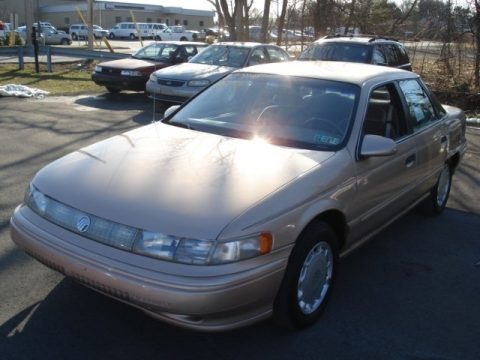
410,160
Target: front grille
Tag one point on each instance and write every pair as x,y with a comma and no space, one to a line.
46,262
110,71
101,287
174,83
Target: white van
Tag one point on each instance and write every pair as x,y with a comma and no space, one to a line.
124,30
149,30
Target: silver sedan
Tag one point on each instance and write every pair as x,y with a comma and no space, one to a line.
177,84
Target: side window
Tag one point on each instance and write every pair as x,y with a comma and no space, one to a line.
168,51
124,26
257,57
384,115
402,55
150,52
190,50
379,56
420,107
276,55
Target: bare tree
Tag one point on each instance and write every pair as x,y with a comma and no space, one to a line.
265,20
281,21
402,19
218,8
476,31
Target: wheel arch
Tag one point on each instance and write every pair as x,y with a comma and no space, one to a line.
335,219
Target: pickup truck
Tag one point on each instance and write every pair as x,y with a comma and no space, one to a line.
175,33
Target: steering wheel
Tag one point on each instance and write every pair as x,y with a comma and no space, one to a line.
324,124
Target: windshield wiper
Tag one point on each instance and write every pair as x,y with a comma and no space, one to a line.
179,124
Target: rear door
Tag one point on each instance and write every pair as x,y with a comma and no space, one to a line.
430,132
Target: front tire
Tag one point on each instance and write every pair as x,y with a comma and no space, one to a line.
309,278
111,36
113,90
132,37
74,36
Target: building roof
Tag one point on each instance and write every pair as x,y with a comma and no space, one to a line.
182,7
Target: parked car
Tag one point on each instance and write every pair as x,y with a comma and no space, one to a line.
292,36
365,49
80,31
179,83
236,206
132,73
124,30
48,36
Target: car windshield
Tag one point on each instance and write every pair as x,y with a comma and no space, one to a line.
289,111
337,52
222,55
157,52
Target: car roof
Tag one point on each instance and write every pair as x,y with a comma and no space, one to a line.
354,73
248,44
177,42
359,39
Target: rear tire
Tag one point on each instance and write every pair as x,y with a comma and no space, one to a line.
132,37
74,36
183,38
308,279
111,36
436,202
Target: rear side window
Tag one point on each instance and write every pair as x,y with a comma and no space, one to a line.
276,55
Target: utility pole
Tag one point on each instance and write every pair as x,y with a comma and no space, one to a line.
90,24
28,20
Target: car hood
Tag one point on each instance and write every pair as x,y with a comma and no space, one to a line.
177,181
128,64
188,71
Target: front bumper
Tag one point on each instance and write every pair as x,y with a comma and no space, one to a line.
175,94
206,298
133,83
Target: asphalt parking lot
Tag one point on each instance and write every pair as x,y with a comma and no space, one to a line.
412,292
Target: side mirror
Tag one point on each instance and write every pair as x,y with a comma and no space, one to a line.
374,145
170,111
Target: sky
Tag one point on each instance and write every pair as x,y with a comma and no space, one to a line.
273,7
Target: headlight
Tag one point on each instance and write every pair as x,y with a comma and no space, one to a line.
153,77
130,73
35,200
202,252
198,82
242,249
98,68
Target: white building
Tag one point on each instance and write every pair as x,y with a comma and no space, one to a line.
193,15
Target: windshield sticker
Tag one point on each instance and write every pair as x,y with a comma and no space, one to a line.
324,139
